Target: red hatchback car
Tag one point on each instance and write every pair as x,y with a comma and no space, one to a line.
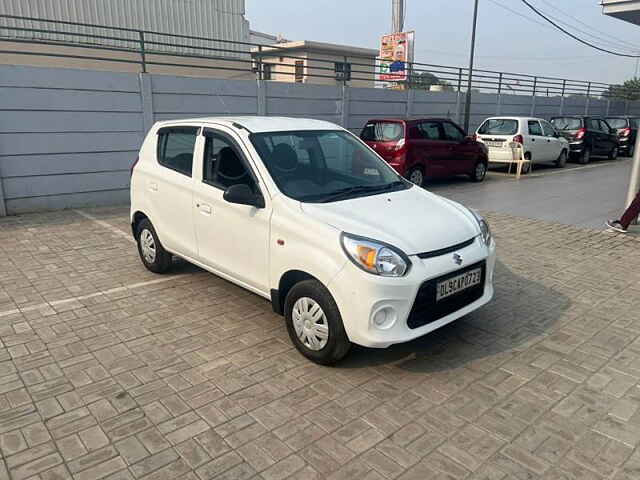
426,148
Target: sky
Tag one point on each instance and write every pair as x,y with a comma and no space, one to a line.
510,37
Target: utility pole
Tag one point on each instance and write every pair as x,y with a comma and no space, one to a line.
467,105
397,16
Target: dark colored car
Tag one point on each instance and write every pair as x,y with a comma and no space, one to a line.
426,148
587,136
627,128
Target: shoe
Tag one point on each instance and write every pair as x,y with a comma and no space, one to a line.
616,225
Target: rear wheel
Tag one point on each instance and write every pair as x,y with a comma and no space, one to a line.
562,159
479,172
585,157
416,176
526,167
613,154
314,323
152,254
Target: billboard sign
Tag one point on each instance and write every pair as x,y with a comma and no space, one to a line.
396,52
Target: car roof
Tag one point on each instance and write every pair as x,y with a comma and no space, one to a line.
410,120
510,117
258,124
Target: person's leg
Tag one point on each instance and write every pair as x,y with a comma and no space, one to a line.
631,213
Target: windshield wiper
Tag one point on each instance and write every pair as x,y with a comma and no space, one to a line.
348,191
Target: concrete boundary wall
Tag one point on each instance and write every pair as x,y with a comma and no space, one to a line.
68,137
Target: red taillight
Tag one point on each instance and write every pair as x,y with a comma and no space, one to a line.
580,134
518,139
133,165
625,132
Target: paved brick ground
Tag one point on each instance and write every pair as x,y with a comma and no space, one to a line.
108,371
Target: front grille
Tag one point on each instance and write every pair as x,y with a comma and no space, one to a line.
444,251
425,308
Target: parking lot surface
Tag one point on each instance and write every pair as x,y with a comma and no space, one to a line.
582,195
110,371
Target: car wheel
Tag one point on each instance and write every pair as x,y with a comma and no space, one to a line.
585,157
416,176
479,172
562,159
613,154
314,323
630,150
152,254
526,167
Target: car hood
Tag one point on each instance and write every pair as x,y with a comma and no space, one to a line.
414,220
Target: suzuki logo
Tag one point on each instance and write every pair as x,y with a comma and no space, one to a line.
457,258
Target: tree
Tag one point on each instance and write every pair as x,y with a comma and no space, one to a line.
629,90
424,81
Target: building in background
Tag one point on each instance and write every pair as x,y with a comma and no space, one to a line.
317,62
628,10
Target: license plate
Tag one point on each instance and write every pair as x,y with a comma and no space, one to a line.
489,143
457,284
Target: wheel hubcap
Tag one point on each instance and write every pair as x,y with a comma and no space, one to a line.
310,323
416,177
480,170
148,246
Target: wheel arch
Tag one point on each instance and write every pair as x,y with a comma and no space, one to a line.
285,284
136,218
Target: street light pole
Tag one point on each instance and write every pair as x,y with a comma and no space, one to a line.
467,105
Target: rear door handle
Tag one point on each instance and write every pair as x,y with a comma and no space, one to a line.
204,208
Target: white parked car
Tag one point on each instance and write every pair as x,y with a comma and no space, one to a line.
305,214
540,140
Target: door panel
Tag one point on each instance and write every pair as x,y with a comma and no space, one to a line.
429,150
537,142
170,189
554,144
462,155
231,238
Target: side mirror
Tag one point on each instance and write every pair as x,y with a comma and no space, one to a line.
468,139
242,195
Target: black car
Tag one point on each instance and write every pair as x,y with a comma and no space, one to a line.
627,128
588,136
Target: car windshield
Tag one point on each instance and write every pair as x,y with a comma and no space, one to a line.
567,123
499,126
382,132
322,166
617,122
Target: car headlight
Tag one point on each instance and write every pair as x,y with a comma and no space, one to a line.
484,227
375,257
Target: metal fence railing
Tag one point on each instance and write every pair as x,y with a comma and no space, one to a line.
149,49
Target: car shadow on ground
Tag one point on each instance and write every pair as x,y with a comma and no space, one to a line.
521,312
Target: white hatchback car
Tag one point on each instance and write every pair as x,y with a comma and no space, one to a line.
303,213
540,140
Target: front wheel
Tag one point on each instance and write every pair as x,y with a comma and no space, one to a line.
562,159
613,154
314,323
479,172
152,254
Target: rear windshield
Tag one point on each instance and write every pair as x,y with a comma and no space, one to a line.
567,123
499,126
617,122
382,132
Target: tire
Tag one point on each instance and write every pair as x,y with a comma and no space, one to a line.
526,167
479,172
561,162
151,252
302,302
613,154
416,176
585,157
630,150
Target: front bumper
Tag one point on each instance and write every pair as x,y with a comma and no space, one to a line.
359,295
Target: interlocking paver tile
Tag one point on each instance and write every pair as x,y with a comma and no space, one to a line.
191,377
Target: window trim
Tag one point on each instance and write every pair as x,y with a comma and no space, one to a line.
210,132
175,129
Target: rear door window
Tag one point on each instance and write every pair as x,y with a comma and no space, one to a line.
175,148
535,128
567,123
430,130
499,126
604,126
592,124
382,132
